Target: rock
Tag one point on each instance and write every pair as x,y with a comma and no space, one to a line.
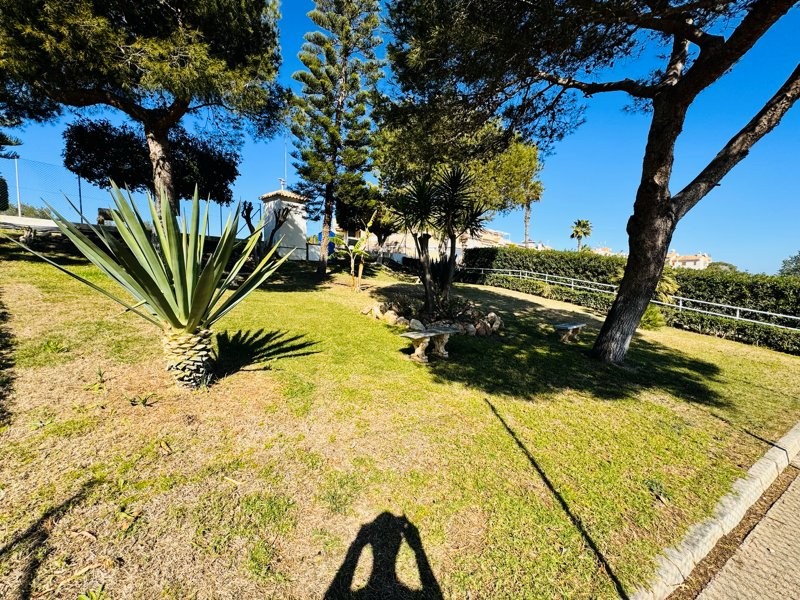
376,311
483,329
416,325
401,322
491,318
390,317
469,329
366,310
497,325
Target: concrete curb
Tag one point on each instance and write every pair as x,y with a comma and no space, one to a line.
676,564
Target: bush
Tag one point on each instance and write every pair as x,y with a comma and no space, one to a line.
595,301
761,292
652,318
581,265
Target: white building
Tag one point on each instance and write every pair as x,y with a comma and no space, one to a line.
286,206
689,261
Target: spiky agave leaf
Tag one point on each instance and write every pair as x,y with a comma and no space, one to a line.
172,286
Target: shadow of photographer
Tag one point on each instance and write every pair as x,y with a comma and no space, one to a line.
385,536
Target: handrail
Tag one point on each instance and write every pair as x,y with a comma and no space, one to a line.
678,302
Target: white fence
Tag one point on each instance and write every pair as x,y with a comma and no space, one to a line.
679,303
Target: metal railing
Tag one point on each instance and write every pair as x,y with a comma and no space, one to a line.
679,303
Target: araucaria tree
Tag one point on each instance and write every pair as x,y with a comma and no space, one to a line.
331,115
526,61
156,61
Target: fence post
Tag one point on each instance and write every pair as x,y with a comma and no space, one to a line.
680,304
16,176
738,314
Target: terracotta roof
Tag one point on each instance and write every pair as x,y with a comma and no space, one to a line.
285,195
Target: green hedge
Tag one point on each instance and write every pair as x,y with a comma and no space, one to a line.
581,265
762,292
770,293
593,300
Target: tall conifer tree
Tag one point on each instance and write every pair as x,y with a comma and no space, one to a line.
331,120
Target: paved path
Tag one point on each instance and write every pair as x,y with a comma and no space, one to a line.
767,565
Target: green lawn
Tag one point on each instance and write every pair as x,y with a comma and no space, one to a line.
527,469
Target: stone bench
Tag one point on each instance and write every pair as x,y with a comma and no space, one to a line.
570,332
421,339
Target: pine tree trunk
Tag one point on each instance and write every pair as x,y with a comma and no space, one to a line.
327,221
158,147
650,230
189,356
526,220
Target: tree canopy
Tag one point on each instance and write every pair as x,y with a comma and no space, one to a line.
536,63
791,266
100,153
157,61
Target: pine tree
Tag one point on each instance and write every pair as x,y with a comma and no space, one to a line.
331,118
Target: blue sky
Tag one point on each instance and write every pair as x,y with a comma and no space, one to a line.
750,220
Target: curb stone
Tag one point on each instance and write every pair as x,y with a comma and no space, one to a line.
676,564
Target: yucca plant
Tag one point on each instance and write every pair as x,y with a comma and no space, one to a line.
172,286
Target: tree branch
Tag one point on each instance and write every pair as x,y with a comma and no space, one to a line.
739,146
634,88
715,60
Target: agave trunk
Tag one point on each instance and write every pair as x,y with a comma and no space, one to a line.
189,356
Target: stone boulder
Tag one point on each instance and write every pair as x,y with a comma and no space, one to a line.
483,329
469,329
390,317
416,325
402,322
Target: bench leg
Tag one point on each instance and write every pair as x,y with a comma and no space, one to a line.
439,342
565,336
420,346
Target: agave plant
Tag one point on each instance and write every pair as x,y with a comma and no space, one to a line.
172,286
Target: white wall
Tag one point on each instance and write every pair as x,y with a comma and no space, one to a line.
293,231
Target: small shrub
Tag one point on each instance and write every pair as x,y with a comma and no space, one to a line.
653,318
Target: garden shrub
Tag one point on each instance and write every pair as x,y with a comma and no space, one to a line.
652,318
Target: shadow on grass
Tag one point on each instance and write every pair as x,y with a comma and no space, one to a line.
576,522
528,359
249,348
56,248
33,542
6,366
384,535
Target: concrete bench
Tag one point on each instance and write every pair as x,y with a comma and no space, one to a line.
421,339
570,332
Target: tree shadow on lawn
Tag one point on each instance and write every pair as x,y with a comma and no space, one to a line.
240,349
528,359
384,535
58,249
575,519
6,366
33,542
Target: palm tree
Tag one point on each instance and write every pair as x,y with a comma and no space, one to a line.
582,228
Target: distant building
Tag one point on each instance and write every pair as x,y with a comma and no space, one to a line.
689,261
603,251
